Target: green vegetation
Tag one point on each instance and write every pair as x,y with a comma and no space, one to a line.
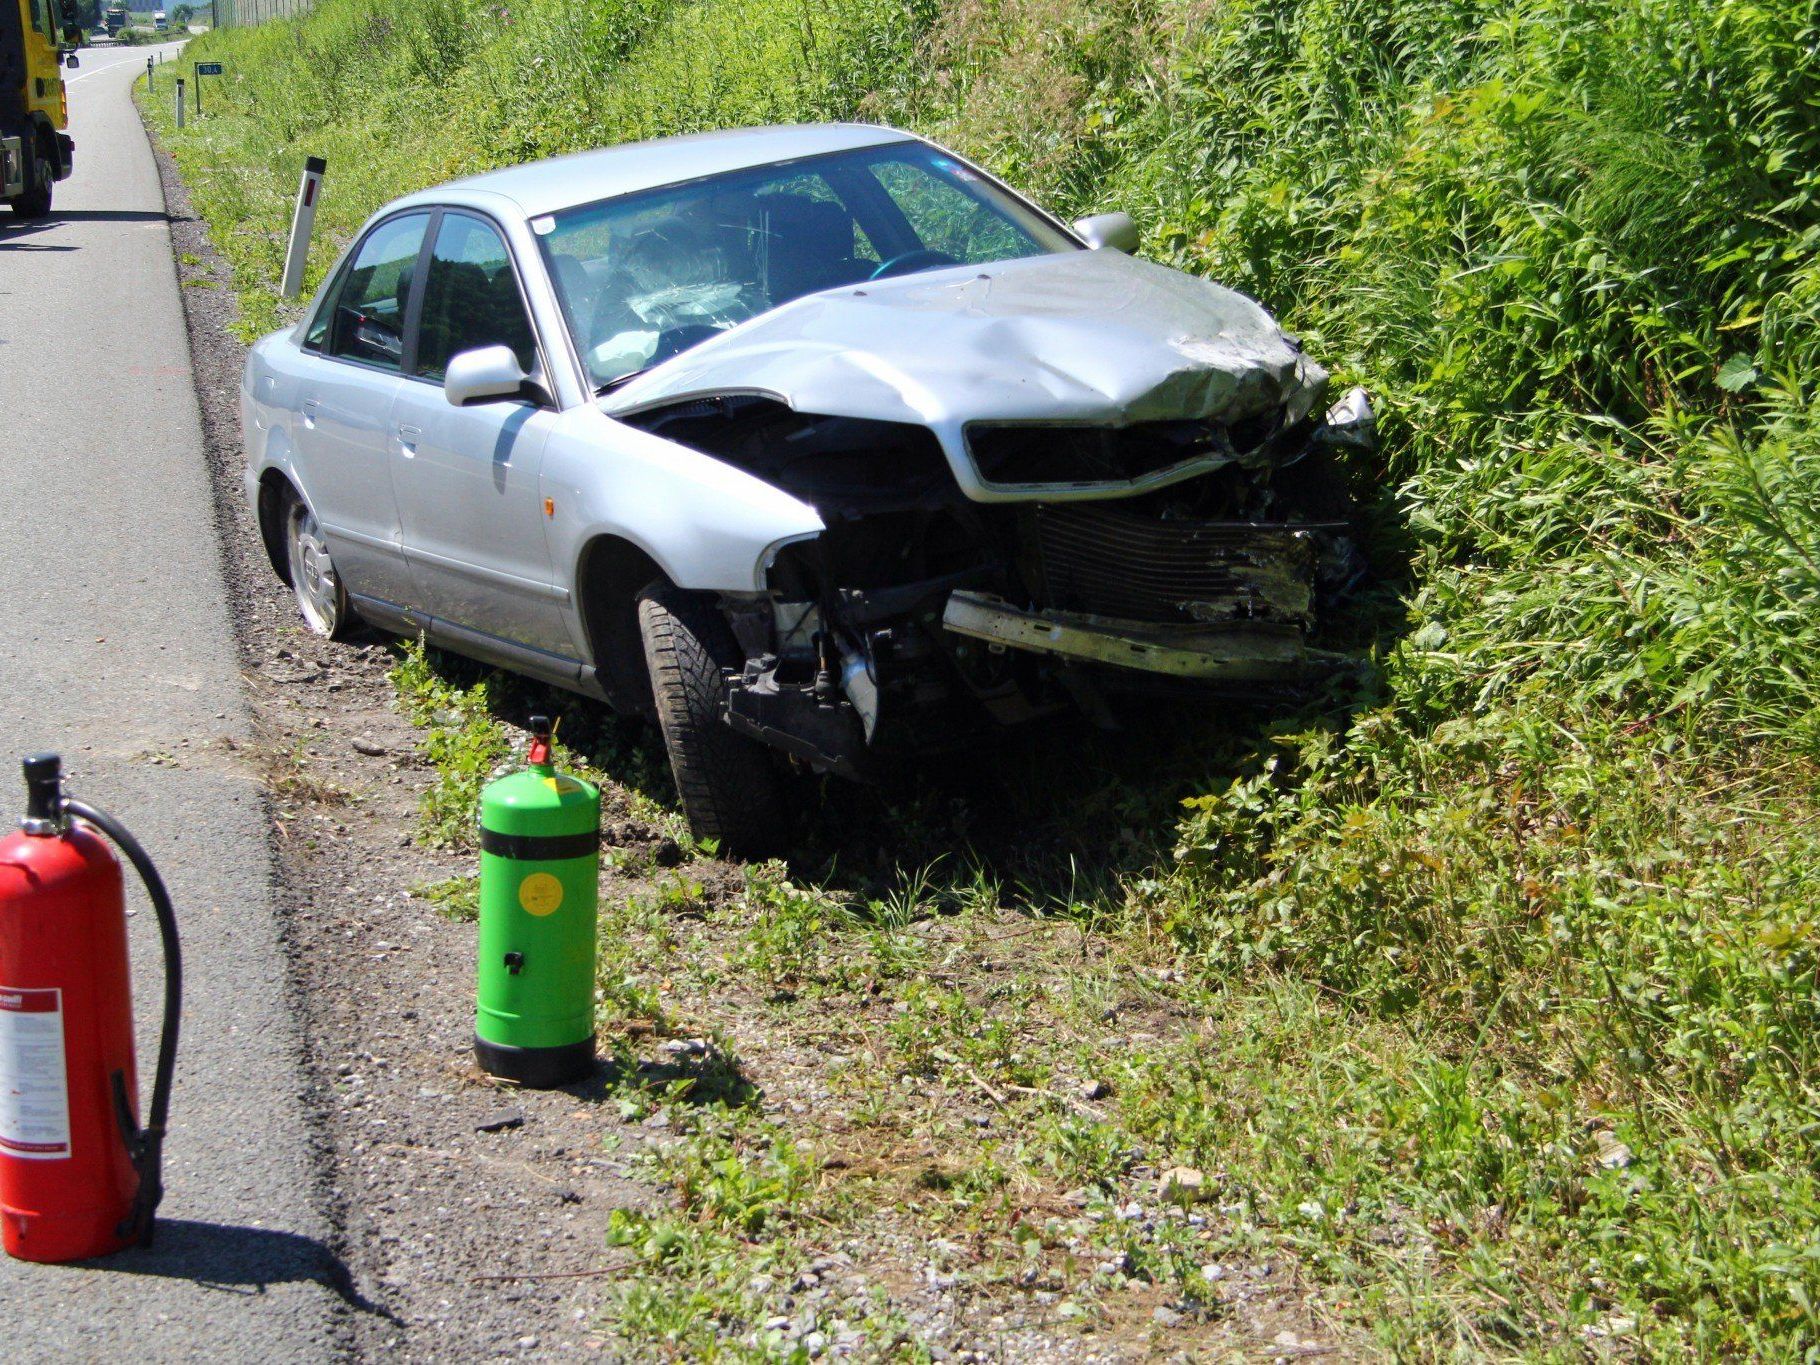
456,898
1489,997
463,741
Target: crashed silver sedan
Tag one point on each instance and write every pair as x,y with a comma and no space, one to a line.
813,444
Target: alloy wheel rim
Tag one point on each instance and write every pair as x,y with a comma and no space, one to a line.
313,574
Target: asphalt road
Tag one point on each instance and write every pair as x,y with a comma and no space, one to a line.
116,650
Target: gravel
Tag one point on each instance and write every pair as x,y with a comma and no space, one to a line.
430,1185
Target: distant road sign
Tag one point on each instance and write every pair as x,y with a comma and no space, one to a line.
208,68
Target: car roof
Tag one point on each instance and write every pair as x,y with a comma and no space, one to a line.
583,177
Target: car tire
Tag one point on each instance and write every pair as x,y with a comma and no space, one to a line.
728,783
321,598
36,201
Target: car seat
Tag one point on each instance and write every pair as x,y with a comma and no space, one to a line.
807,244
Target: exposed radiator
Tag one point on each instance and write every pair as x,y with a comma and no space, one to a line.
1096,558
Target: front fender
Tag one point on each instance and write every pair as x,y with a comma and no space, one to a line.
706,524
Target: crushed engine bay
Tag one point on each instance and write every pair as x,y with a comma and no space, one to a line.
1041,483
918,607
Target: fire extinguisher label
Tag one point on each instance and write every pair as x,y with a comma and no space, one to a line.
34,1092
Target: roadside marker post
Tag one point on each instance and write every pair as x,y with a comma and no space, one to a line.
149,87
180,101
303,221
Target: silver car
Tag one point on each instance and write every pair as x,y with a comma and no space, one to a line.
813,444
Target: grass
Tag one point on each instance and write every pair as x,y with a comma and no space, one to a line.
1484,998
456,898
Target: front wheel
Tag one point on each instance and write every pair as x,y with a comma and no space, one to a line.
320,596
36,201
730,790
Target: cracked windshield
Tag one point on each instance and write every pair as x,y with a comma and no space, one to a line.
645,277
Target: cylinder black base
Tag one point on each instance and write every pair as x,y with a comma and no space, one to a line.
538,1068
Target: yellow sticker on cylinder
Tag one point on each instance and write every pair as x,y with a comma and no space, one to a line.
540,894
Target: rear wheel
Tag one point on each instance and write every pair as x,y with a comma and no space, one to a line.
729,786
320,597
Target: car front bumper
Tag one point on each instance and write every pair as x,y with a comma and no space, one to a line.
1229,652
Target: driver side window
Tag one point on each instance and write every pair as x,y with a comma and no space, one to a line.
470,298
367,320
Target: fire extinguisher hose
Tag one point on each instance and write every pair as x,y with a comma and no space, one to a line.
146,1144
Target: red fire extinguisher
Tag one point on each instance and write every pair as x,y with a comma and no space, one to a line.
78,1176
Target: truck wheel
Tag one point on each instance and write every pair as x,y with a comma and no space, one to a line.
320,595
36,201
729,788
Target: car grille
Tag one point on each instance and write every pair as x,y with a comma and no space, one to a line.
1108,562
1027,455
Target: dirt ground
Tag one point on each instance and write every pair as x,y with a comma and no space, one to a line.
473,1220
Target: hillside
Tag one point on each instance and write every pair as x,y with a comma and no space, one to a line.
1506,968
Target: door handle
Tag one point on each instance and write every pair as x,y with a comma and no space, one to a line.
311,406
407,440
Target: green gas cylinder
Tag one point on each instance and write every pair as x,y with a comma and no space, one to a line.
539,883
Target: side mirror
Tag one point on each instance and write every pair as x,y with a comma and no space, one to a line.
71,62
1108,231
485,374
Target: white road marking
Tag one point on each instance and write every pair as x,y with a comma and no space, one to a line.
120,62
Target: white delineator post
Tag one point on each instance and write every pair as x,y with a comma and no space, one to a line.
302,222
180,101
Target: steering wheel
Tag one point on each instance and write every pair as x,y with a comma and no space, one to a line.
905,261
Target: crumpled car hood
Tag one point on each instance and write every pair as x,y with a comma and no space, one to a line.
1078,336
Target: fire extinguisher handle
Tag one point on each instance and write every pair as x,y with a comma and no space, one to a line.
146,1143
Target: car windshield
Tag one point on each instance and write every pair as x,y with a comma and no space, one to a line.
646,276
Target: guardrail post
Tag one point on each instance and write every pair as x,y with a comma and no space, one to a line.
180,101
303,221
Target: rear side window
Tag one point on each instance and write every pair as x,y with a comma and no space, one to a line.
470,298
368,320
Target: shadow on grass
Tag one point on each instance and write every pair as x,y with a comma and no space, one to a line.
1055,816
713,1078
631,751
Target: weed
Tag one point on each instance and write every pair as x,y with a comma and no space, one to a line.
456,898
787,927
288,776
464,742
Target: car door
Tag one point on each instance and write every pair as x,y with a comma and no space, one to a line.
353,362
467,478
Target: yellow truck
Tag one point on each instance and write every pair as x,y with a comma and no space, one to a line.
36,38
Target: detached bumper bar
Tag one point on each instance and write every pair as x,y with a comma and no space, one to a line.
1241,652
